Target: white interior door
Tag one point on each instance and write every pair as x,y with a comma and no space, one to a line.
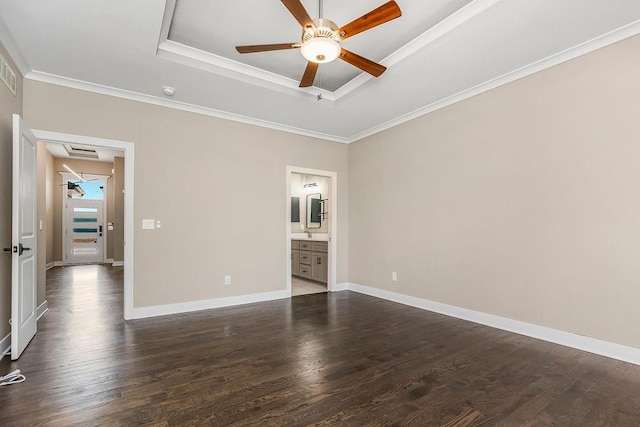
23,235
84,231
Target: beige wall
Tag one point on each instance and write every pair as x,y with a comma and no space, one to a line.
118,201
51,190
9,105
45,178
522,202
203,178
78,166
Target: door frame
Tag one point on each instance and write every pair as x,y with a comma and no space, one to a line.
129,152
333,224
105,180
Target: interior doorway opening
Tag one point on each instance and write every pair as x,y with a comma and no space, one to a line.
311,230
89,215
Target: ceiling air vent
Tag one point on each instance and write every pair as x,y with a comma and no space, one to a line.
81,152
8,76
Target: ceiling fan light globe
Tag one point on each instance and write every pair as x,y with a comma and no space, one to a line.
320,50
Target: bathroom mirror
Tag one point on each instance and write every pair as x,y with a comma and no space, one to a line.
314,210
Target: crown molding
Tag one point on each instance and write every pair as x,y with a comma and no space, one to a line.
43,77
551,61
443,27
202,60
12,48
548,62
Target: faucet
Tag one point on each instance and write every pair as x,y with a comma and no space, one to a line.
306,230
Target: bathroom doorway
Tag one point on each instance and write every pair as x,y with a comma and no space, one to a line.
311,229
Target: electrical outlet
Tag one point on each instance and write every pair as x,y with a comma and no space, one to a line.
227,280
394,276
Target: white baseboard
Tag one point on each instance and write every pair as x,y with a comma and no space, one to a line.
185,307
108,261
580,342
118,263
340,287
5,345
42,309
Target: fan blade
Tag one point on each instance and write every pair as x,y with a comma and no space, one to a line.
309,74
300,13
266,47
384,13
364,64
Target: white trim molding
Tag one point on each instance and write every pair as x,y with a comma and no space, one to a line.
5,345
567,339
344,286
43,77
187,307
42,309
117,263
436,32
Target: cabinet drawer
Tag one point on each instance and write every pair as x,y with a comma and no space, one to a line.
295,244
305,271
306,246
305,257
319,246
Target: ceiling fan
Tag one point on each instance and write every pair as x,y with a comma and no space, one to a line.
321,39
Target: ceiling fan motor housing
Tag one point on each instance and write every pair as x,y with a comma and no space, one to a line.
322,46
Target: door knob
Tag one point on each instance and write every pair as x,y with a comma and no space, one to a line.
9,249
22,249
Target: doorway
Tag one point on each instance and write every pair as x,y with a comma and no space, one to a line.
311,224
86,237
84,219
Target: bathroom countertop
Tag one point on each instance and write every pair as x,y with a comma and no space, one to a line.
318,237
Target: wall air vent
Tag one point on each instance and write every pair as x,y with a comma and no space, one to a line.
8,76
81,152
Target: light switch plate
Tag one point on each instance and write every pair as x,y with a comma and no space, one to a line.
148,224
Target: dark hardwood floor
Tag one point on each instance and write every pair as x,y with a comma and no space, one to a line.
322,359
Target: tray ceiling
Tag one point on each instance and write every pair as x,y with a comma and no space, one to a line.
437,53
209,26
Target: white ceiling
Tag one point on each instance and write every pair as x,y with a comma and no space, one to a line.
437,53
58,150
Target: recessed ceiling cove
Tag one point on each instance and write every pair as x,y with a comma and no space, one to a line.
209,31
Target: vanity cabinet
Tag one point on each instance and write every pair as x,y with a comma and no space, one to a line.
295,262
309,259
319,267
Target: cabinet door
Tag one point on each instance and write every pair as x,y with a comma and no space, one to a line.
305,257
295,263
305,271
325,269
319,267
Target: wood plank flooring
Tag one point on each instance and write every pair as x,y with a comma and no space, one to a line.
323,359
